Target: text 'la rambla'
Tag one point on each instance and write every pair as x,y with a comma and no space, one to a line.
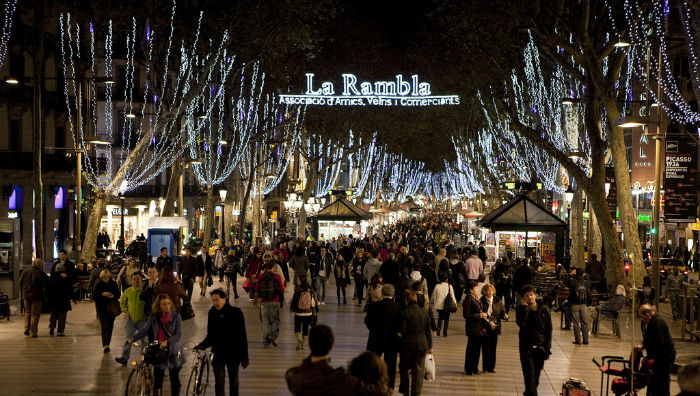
399,87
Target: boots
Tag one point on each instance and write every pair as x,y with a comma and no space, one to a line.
303,342
300,341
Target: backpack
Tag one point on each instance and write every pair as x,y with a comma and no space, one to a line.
268,287
304,303
581,294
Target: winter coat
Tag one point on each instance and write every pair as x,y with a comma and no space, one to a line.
535,327
59,292
174,327
498,313
226,334
32,283
101,301
471,311
440,293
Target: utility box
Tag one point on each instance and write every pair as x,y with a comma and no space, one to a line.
164,232
10,256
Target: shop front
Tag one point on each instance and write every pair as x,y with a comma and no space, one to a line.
135,222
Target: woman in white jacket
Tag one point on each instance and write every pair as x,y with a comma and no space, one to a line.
442,291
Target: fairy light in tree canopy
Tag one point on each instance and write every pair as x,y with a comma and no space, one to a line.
148,137
9,13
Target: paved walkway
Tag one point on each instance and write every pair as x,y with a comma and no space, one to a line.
75,364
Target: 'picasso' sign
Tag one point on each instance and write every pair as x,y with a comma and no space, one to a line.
398,92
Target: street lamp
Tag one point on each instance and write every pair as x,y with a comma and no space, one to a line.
122,198
222,195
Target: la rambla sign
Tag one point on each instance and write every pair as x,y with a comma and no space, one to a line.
352,92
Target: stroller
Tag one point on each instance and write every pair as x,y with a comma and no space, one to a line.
622,370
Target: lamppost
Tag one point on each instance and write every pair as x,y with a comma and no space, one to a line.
293,204
122,198
569,194
222,195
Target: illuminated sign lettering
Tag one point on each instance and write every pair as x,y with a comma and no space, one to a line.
399,92
118,212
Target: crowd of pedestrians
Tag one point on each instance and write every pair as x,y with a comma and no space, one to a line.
408,278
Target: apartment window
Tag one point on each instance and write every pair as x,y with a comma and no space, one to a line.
17,66
15,143
60,138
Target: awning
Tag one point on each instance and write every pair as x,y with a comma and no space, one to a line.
522,214
343,210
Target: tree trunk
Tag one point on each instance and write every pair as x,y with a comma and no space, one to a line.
614,271
37,118
172,194
594,237
244,209
90,243
624,197
576,230
209,219
232,186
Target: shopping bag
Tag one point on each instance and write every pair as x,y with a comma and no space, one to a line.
429,367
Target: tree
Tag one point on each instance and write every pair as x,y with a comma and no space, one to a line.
150,139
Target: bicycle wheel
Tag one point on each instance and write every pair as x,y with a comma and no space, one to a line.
137,384
203,378
192,382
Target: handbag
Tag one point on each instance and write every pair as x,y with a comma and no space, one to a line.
186,311
113,308
450,305
155,355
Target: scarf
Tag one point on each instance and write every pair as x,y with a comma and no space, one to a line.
490,310
164,319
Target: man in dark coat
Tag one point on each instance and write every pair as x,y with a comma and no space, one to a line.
382,320
390,271
164,260
522,276
59,293
63,266
475,317
535,337
228,340
32,283
316,377
660,347
187,271
205,268
416,342
482,252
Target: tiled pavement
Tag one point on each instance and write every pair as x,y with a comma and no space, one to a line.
75,364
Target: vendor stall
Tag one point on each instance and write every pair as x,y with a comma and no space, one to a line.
341,217
528,230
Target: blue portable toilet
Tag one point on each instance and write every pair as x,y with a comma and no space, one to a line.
164,232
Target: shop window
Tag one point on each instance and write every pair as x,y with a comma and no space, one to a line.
16,201
59,197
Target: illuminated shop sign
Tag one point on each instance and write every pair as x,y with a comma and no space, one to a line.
399,92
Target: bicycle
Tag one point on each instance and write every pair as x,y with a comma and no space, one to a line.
199,375
140,381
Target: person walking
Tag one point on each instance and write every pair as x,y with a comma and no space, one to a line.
232,269
382,321
442,292
268,289
299,263
220,261
227,337
579,298
187,271
133,308
325,267
342,276
660,347
503,280
523,275
416,342
170,285
475,267
32,283
205,268
148,291
459,276
255,267
59,293
496,312
358,268
674,284
390,270
165,326
305,306
63,266
106,293
124,275
475,317
535,337
164,260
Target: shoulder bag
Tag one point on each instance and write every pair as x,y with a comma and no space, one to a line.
450,304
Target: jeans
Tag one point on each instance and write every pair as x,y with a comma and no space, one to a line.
443,316
130,328
188,284
321,287
531,367
270,321
106,328
566,309
220,365
232,279
32,313
413,362
579,316
474,346
159,374
359,288
302,323
60,317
